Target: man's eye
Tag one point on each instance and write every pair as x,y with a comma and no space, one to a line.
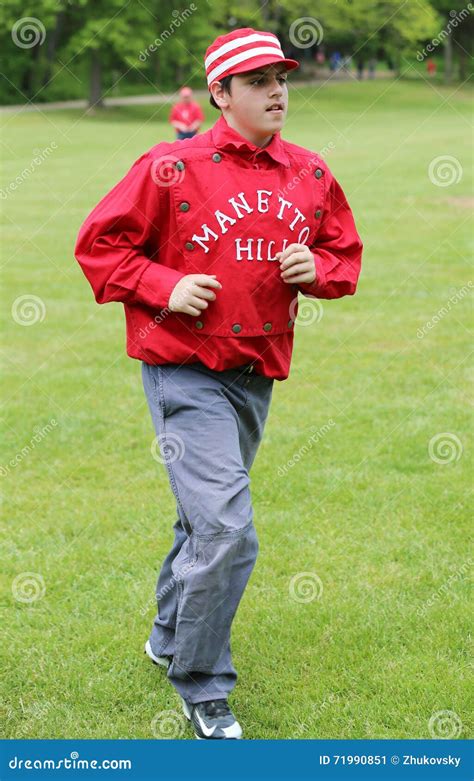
281,79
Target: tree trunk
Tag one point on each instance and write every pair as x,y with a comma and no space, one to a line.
448,58
30,78
52,45
462,64
157,67
264,10
95,94
397,65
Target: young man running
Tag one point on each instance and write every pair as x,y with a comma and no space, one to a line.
207,243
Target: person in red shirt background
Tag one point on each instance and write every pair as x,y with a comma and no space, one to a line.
207,243
186,116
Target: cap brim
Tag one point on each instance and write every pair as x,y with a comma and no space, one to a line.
260,62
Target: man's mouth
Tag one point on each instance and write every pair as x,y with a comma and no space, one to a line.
275,108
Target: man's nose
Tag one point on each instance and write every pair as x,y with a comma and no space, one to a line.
276,88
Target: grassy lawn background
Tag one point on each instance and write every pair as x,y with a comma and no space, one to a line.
365,510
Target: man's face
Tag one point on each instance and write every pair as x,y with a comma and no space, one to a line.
258,101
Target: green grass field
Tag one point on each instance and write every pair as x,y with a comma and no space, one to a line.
376,510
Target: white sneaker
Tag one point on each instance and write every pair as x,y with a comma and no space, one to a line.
164,661
212,720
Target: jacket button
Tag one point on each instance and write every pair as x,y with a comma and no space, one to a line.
267,327
199,324
189,245
317,214
290,323
236,328
216,157
184,206
318,173
179,165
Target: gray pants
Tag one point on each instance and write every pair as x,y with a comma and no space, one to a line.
209,425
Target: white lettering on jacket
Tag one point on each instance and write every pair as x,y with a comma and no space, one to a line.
250,248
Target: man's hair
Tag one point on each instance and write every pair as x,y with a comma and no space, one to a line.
225,82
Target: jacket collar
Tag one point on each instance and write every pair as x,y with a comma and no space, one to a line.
225,137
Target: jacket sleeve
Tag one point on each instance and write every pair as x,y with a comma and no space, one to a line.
337,249
118,238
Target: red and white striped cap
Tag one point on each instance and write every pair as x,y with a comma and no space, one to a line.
243,50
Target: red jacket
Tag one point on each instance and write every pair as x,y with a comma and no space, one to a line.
187,113
217,204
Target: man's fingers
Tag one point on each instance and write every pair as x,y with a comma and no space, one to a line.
203,292
197,303
292,277
298,279
191,310
206,280
295,259
300,268
281,256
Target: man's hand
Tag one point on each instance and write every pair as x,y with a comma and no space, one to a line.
297,265
191,295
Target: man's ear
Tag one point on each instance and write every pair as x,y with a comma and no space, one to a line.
219,95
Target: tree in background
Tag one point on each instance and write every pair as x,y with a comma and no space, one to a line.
364,29
52,46
107,33
27,45
457,34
